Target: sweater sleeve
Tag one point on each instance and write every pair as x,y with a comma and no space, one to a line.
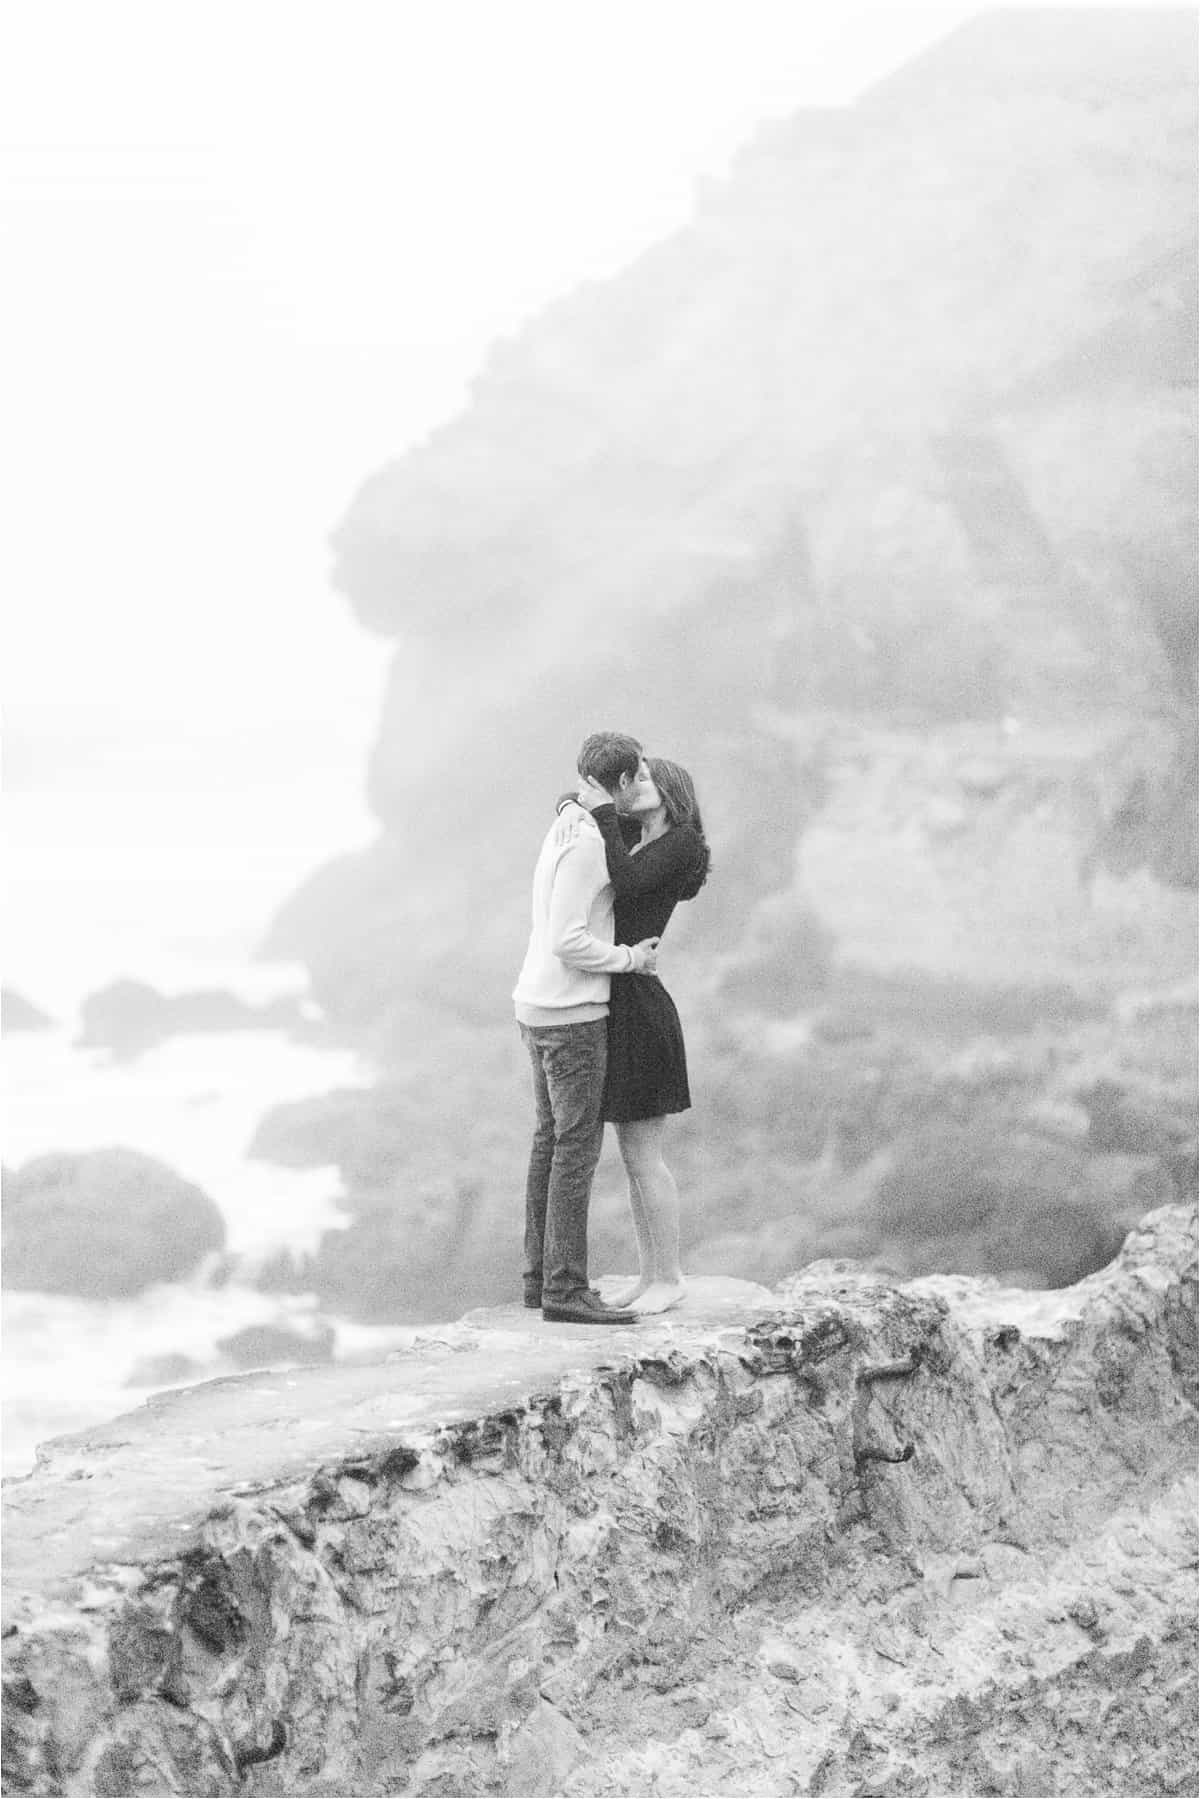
662,863
577,880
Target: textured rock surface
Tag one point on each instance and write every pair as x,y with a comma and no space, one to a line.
849,1537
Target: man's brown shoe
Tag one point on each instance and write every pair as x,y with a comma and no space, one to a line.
533,1298
585,1308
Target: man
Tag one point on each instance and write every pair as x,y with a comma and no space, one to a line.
561,1002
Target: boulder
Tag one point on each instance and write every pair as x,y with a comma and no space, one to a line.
273,1345
171,1369
1121,1122
20,1014
104,1224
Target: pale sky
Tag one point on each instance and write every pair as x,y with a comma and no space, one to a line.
257,247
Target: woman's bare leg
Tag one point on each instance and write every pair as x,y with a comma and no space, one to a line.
641,1143
645,1248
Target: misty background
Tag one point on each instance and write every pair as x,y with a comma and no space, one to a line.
394,394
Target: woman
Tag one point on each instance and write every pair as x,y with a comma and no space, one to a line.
657,855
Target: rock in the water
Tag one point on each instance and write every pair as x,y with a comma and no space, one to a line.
1124,1123
20,1014
173,1369
104,1225
129,1017
271,1345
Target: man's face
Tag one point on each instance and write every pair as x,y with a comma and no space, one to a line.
626,796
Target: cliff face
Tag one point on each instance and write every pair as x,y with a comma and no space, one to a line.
870,497
896,438
847,1537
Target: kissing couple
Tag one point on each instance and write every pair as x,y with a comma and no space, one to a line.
602,1031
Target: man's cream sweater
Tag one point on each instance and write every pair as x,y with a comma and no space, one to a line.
564,978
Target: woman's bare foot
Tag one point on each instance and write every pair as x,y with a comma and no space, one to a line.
660,1297
623,1299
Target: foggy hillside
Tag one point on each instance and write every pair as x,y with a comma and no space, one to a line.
902,427
870,497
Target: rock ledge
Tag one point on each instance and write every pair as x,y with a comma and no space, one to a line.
848,1537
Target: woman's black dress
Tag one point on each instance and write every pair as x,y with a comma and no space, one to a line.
647,1064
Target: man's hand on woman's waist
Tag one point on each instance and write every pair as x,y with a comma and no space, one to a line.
644,956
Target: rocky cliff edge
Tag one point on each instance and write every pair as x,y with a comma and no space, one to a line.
845,1537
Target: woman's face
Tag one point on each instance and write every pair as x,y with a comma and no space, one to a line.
645,796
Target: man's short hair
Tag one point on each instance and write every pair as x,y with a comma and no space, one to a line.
607,755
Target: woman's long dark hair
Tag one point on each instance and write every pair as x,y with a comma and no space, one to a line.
678,793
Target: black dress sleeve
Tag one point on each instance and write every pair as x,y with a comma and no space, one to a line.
664,863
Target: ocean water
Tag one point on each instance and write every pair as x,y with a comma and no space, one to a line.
174,888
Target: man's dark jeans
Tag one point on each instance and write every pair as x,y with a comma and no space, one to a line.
569,1062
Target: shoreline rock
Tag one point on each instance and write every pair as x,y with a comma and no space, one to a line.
104,1224
130,1017
270,1345
20,1014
